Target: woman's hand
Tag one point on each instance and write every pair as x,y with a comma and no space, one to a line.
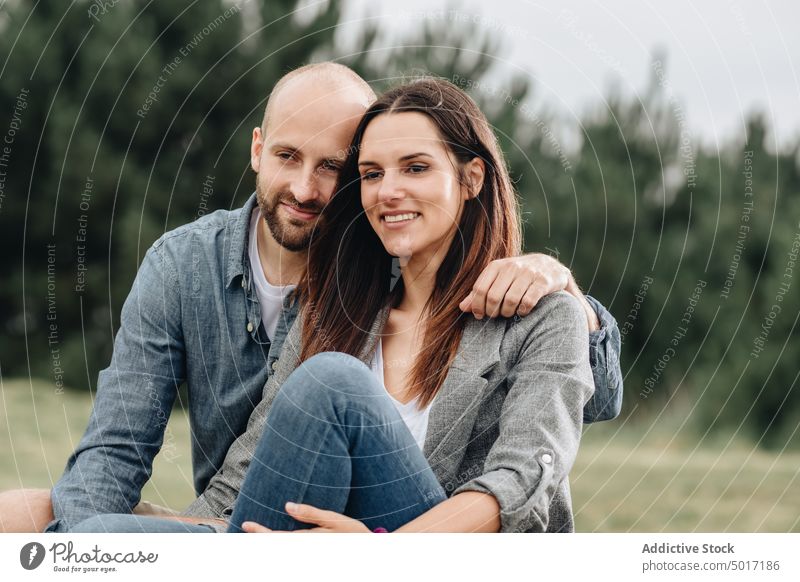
328,521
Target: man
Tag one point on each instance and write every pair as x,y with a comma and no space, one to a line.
210,307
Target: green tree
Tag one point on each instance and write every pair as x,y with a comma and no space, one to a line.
133,117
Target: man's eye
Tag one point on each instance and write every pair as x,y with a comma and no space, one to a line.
285,156
330,167
370,175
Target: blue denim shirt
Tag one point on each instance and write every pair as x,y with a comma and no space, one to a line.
604,349
193,317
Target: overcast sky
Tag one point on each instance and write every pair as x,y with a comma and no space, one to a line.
726,58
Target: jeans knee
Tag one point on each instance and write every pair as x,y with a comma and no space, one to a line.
332,378
337,372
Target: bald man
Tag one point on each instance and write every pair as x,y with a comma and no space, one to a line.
211,306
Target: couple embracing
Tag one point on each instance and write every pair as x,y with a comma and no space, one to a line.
364,346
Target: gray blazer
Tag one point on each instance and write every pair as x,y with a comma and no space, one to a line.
507,420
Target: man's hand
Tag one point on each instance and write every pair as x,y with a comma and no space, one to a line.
516,284
25,510
591,315
328,521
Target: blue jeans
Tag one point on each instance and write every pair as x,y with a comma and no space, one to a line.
127,523
333,439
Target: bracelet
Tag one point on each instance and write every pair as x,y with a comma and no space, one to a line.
380,530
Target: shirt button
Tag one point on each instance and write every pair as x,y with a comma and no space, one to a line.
274,365
547,458
242,281
249,327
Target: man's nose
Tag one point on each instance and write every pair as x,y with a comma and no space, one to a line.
305,187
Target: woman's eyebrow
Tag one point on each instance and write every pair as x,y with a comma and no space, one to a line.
403,159
416,155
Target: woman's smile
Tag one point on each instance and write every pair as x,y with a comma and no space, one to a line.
399,219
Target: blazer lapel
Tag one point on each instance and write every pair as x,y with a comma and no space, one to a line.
455,406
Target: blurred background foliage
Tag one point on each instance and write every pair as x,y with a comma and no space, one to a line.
611,195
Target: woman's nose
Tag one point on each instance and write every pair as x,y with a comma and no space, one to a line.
390,187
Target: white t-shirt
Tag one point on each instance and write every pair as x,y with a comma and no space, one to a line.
416,420
270,297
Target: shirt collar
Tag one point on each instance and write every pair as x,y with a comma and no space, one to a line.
237,250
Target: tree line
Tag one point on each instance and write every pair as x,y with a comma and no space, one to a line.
124,119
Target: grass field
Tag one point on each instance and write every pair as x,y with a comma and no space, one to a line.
626,478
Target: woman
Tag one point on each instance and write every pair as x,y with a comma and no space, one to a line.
406,415
482,419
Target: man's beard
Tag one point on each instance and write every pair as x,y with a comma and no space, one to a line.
292,234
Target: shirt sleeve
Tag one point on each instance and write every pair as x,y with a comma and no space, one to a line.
604,351
540,421
135,394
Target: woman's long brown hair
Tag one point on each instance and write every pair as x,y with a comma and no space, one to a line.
349,275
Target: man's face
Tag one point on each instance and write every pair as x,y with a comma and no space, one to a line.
298,156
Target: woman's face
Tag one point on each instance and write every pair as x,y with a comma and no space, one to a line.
409,185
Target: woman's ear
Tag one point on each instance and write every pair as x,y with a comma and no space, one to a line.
474,173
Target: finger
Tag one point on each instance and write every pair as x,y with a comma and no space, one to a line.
514,295
530,299
253,527
497,293
466,305
311,514
307,530
481,288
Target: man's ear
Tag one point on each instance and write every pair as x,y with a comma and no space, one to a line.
255,149
474,174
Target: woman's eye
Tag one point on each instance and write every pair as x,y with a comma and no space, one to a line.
417,168
370,175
